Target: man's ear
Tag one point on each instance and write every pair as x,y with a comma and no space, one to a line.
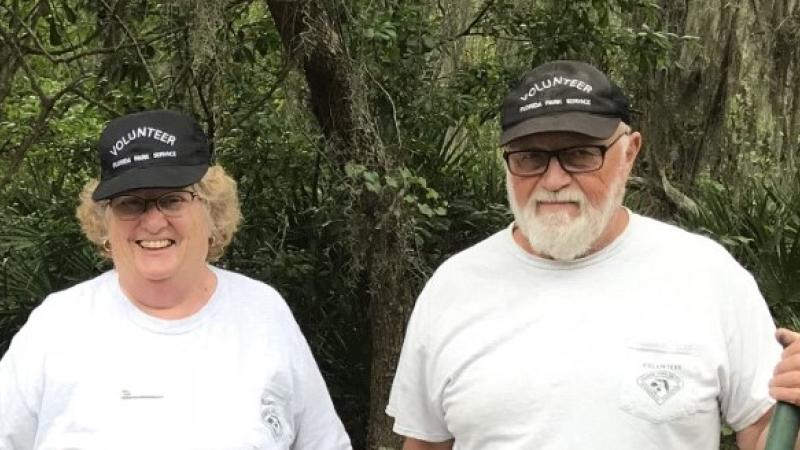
633,147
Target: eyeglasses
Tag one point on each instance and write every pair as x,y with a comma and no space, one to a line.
171,204
576,159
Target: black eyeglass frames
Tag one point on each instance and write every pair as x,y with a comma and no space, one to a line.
575,159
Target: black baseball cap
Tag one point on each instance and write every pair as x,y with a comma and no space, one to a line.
151,149
569,96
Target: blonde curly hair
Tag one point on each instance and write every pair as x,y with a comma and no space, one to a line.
216,189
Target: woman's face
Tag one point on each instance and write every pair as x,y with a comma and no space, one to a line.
156,247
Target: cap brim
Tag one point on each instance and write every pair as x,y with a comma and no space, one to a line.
600,127
150,177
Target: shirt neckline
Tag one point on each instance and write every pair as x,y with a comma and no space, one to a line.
168,326
598,257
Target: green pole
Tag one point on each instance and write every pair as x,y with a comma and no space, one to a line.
783,427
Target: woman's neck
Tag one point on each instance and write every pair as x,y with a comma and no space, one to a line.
171,299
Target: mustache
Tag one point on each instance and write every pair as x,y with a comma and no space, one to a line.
559,196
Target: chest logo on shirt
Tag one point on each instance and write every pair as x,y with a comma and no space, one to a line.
271,413
660,385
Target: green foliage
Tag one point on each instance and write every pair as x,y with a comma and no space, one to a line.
413,190
759,222
41,247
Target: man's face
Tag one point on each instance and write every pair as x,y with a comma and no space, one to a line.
565,216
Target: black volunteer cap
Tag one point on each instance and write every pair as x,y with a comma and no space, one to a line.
566,96
151,149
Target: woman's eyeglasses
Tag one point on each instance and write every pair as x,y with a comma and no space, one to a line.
171,204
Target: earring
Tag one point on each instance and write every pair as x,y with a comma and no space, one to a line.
107,246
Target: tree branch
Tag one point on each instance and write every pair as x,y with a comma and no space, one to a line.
207,110
31,33
478,18
97,51
394,108
25,67
82,94
38,128
260,103
138,50
61,51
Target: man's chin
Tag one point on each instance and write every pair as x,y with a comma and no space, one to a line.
560,236
560,251
569,209
566,254
554,223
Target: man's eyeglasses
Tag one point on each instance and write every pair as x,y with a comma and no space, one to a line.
171,204
577,159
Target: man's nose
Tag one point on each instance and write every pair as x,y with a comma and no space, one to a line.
555,177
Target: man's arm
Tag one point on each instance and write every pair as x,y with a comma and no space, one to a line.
784,386
755,436
416,444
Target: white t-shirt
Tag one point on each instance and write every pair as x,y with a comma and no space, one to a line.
643,345
90,371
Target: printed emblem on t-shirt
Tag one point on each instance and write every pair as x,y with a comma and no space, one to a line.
660,385
273,414
126,394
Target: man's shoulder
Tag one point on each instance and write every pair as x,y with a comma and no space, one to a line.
667,238
473,268
660,228
482,253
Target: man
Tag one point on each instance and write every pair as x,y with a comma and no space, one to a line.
584,325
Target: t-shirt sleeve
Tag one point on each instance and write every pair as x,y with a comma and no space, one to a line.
414,401
318,427
753,353
20,391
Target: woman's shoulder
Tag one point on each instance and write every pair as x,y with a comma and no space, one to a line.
63,310
76,299
242,282
254,306
249,292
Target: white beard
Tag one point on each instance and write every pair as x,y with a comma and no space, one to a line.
559,235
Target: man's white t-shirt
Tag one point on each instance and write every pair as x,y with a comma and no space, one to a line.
643,345
89,370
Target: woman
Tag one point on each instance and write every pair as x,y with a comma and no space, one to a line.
164,351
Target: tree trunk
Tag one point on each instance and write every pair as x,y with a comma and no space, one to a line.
338,100
732,101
